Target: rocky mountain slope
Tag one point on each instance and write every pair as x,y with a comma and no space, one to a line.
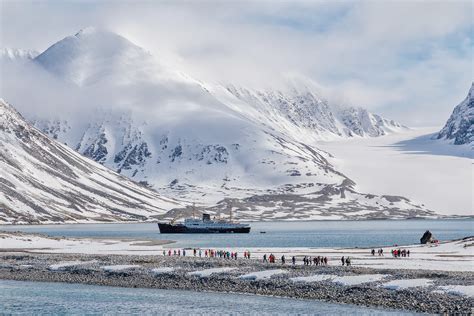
186,138
44,181
460,126
115,103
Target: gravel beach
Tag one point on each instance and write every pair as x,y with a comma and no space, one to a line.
136,271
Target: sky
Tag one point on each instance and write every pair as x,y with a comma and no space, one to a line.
411,61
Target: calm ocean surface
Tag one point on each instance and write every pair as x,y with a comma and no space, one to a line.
41,298
279,234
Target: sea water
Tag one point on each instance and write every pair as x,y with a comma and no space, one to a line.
41,298
278,234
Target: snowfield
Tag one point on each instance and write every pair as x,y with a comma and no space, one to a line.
410,164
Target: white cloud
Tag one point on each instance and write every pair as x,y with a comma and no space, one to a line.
411,60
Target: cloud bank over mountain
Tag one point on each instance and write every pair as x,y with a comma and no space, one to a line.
397,58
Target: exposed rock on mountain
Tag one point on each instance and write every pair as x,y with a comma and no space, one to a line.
43,181
460,126
201,142
189,139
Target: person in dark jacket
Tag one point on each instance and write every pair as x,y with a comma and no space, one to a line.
348,261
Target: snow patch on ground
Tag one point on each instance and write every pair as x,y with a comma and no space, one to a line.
313,278
463,290
358,279
262,275
119,267
207,272
67,264
405,284
163,270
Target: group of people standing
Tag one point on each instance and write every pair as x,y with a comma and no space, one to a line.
397,253
346,261
379,252
208,253
308,261
271,258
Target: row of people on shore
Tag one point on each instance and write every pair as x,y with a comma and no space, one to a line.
207,253
307,260
395,252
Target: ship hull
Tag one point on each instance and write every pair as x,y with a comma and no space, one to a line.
181,229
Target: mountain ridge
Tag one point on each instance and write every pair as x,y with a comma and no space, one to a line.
459,128
43,181
202,142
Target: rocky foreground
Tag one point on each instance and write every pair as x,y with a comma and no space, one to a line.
161,272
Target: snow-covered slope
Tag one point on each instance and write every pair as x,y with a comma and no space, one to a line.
163,128
300,110
460,126
44,181
198,141
92,55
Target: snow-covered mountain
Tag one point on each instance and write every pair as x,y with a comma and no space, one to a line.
299,109
460,126
190,139
44,181
118,105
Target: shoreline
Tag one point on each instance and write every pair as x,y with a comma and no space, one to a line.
433,272
23,266
440,217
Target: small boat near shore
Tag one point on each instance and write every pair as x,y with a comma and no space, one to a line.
204,226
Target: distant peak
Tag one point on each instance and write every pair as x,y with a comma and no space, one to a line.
92,31
86,31
470,94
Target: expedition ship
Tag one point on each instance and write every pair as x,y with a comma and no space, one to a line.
204,226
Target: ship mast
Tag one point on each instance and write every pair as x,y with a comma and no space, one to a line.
230,206
194,208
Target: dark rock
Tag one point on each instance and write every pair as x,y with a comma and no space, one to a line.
427,237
